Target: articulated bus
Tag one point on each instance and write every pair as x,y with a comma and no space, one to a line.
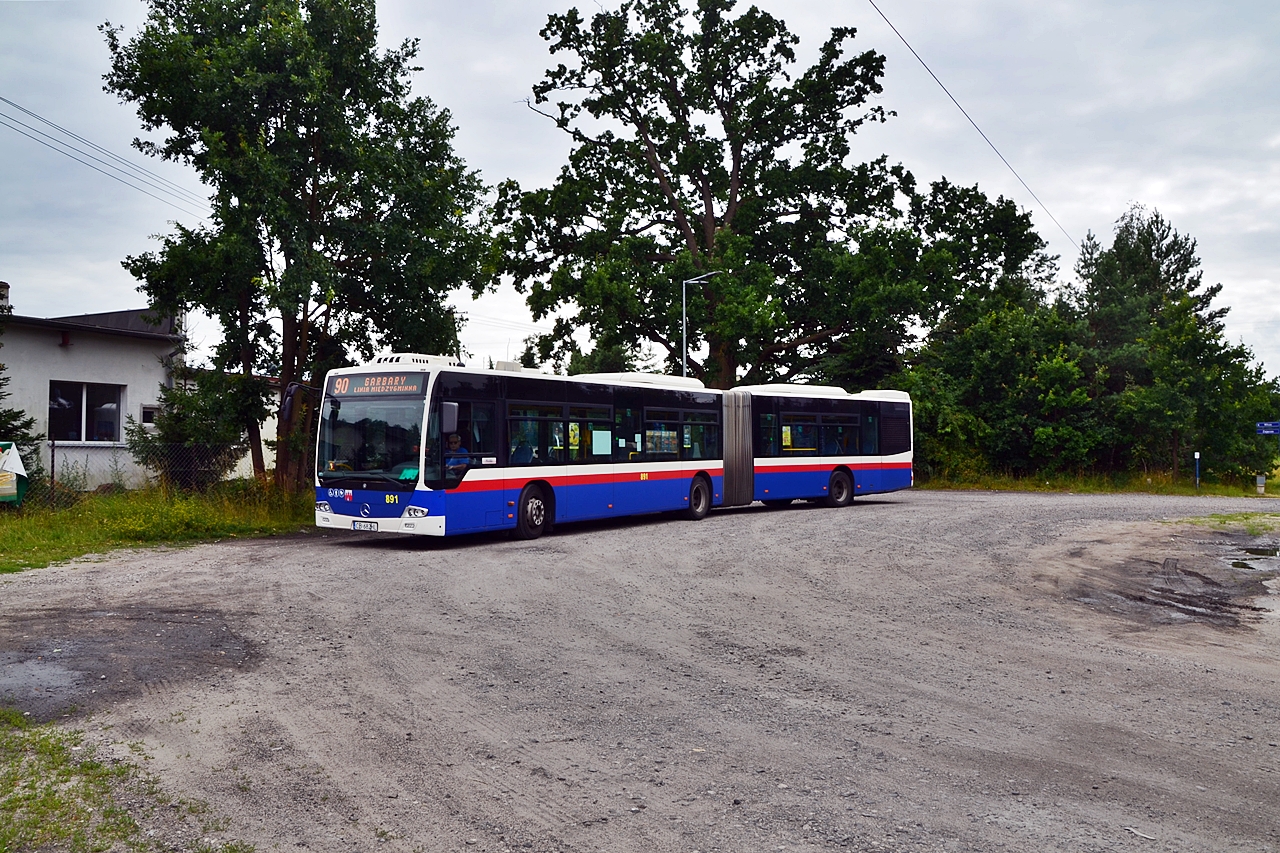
423,445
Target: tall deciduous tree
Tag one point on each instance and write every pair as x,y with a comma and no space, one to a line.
341,214
696,151
699,152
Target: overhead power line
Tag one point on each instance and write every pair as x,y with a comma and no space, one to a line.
172,186
1043,206
513,325
128,173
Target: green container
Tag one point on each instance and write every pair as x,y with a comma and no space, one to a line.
13,485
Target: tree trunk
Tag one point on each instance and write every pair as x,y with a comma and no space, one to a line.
293,435
253,428
255,452
725,366
285,478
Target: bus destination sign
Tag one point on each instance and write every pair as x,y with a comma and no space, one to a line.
376,384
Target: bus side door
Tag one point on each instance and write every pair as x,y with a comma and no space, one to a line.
633,490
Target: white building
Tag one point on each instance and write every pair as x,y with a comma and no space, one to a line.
80,377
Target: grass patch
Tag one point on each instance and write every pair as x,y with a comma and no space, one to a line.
1156,484
56,795
1252,523
34,537
49,797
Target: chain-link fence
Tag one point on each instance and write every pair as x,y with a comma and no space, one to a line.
68,471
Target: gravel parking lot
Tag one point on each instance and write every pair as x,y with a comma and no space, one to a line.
927,671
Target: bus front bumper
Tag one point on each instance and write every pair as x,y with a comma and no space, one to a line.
428,526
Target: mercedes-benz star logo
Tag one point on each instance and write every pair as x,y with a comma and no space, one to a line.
364,510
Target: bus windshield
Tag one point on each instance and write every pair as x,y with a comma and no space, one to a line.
378,438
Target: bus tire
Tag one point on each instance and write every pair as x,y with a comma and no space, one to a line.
699,499
777,503
840,489
533,513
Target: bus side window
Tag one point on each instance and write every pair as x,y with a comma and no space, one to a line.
799,435
535,434
524,442
839,435
661,435
628,426
700,436
590,434
477,440
767,436
479,430
871,429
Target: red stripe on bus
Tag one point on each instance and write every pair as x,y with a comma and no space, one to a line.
581,479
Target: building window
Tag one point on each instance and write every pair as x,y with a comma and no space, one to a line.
149,415
84,411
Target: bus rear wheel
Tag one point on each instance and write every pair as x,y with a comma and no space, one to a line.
840,489
532,513
699,499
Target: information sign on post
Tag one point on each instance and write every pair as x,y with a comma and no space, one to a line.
1266,428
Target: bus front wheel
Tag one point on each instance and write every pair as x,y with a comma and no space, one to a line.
532,513
840,489
699,499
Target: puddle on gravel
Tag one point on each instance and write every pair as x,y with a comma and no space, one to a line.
1215,587
54,660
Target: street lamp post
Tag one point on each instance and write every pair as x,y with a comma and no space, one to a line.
684,318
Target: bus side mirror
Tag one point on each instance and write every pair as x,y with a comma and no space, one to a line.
449,418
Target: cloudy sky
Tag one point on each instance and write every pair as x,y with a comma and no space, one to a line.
1098,104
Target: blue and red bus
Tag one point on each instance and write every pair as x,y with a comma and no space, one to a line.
423,445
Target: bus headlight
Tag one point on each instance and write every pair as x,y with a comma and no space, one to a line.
323,506
415,512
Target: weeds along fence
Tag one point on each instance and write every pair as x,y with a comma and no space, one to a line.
68,472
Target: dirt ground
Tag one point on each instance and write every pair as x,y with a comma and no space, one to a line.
925,672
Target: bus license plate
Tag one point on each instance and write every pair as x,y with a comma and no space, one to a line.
365,525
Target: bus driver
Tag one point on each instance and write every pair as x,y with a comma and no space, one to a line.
456,457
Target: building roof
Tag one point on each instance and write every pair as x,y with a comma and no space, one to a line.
131,324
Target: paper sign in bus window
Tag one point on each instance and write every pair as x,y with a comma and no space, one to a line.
601,439
786,436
